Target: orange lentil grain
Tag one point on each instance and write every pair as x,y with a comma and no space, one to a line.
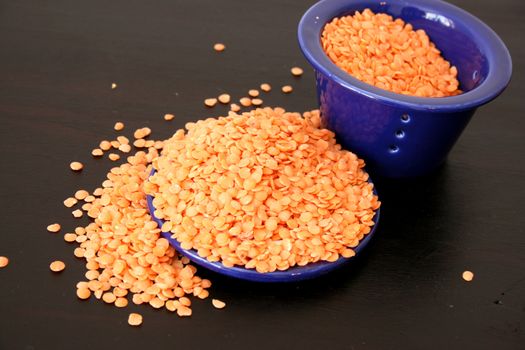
219,47
77,213
81,194
114,157
97,152
265,87
210,102
83,293
134,319
118,126
253,93
168,117
257,101
235,107
224,98
245,101
57,266
287,89
296,71
69,202
468,276
218,304
76,166
4,261
105,145
53,228
70,237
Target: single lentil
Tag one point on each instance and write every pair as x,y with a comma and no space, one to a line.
114,157
97,152
265,87
168,117
4,261
118,126
253,93
287,89
53,228
218,304
76,166
296,71
134,319
210,102
57,266
219,47
224,98
468,276
69,202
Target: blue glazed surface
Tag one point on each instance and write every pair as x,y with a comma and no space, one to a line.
399,135
294,274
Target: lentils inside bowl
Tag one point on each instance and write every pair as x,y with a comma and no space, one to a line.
389,54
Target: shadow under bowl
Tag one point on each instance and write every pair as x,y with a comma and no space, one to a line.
400,135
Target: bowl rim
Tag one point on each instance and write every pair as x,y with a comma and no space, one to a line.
293,274
314,19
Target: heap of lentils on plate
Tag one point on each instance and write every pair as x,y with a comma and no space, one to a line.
389,54
265,189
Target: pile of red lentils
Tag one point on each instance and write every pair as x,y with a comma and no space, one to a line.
265,189
389,54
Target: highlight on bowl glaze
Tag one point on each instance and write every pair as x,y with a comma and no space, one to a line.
293,274
400,135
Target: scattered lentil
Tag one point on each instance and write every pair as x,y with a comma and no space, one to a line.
265,87
4,261
81,194
235,107
76,166
389,54
287,89
69,202
168,117
253,93
257,101
210,102
118,126
97,152
53,228
245,101
224,98
77,213
70,237
57,266
468,276
83,293
219,47
114,157
134,319
113,86
296,71
218,304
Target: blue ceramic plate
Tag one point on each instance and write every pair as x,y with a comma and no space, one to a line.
293,274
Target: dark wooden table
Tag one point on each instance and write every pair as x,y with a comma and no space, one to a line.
57,62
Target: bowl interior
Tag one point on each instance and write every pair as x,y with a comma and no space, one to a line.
483,62
456,42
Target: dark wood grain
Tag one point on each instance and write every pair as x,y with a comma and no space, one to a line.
57,62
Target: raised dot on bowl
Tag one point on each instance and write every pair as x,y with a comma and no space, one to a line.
393,149
400,134
405,118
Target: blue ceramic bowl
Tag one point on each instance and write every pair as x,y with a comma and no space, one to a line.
293,274
399,135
